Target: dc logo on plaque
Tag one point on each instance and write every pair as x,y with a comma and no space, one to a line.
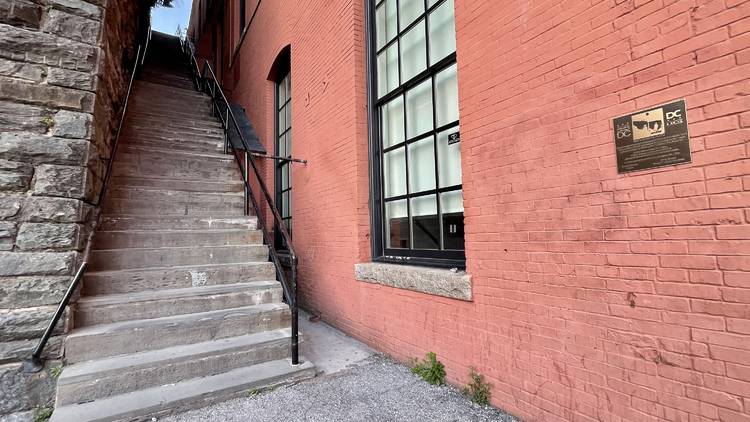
652,138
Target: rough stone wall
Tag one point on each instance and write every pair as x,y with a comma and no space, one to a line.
63,71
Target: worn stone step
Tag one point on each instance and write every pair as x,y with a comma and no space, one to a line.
187,394
106,309
230,186
141,161
131,206
154,222
126,337
140,128
216,147
151,116
175,277
121,259
173,195
151,121
151,89
191,111
86,381
175,238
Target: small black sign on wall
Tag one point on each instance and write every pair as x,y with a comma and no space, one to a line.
652,138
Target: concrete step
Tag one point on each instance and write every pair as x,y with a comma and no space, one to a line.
87,381
126,337
123,259
140,127
230,186
173,195
175,238
132,206
141,161
149,116
153,222
151,121
175,277
187,111
184,395
106,309
148,88
208,145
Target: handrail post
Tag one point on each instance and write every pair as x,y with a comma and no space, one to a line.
295,314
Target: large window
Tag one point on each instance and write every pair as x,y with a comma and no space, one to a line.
284,149
418,215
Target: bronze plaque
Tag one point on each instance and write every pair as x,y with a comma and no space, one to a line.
652,138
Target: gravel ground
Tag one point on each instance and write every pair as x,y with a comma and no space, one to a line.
377,390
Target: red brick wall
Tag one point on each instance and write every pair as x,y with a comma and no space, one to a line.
597,296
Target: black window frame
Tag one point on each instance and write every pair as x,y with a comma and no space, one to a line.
243,10
433,258
284,73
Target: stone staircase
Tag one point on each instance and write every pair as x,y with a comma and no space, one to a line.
180,306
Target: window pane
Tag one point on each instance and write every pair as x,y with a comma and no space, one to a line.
385,17
288,119
449,159
413,52
409,11
394,173
286,204
446,96
393,122
285,176
422,165
396,224
288,144
442,32
388,70
425,223
282,120
282,92
419,109
282,146
288,83
452,207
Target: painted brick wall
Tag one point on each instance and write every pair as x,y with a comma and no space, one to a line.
597,296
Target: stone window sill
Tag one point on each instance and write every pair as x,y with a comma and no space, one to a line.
433,281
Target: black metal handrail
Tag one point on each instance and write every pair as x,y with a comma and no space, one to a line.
206,81
35,363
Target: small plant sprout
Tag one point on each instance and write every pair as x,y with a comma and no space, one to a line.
478,390
55,371
430,369
42,414
48,122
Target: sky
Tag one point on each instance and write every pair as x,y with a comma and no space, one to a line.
166,19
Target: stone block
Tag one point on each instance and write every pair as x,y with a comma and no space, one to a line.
20,13
65,181
22,292
38,236
15,176
21,391
71,79
58,210
39,47
71,124
34,148
14,351
78,7
10,205
8,230
21,70
434,281
21,117
37,263
27,323
46,95
72,26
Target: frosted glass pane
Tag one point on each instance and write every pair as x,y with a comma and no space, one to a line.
393,122
396,224
452,202
394,173
282,146
286,204
442,32
288,115
282,120
285,177
425,223
413,52
410,10
421,165
288,82
289,143
388,70
385,17
446,96
449,159
431,2
419,109
282,92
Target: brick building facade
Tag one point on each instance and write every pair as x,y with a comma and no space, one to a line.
589,294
